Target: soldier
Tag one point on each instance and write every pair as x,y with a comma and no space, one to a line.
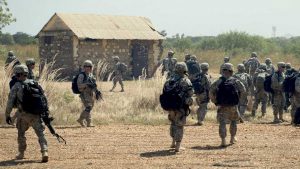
178,117
251,65
278,96
187,57
270,66
226,60
289,72
87,93
226,93
118,73
169,64
260,94
11,58
193,68
30,63
295,99
25,120
245,79
202,95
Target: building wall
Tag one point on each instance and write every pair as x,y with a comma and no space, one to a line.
60,50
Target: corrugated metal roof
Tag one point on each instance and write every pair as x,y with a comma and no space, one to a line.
109,27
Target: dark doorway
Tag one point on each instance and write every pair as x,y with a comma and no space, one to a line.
139,59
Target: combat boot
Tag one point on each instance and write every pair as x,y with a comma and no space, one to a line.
233,140
173,144
223,142
20,156
276,120
90,125
45,157
178,148
80,121
281,118
122,90
253,113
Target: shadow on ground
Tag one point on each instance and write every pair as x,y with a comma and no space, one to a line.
15,162
208,147
160,153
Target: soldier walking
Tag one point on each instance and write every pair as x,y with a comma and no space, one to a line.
11,58
168,64
30,63
226,93
118,73
226,60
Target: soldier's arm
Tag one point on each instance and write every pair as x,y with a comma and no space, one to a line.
242,89
275,82
80,82
213,91
188,90
12,97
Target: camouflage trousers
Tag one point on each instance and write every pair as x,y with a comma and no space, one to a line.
260,97
24,121
225,114
202,101
293,112
178,120
116,79
88,103
278,105
243,106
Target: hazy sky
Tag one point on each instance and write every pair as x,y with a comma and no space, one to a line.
191,17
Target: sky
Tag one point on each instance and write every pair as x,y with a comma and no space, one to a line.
190,17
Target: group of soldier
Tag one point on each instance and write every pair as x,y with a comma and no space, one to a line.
248,82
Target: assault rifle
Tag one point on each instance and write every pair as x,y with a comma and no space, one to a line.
47,120
93,85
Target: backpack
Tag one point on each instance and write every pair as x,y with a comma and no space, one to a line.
268,84
289,83
122,67
260,80
34,99
13,81
193,67
243,78
297,117
227,94
75,88
197,86
170,98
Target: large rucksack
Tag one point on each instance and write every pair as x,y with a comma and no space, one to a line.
34,99
197,86
243,78
193,67
289,83
260,80
268,84
75,88
170,98
227,93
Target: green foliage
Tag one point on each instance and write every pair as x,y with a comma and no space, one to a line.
24,39
7,39
5,15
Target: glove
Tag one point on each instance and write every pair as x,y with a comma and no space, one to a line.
8,120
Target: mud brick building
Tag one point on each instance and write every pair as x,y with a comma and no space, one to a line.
69,39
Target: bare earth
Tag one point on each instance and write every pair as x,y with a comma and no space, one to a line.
141,146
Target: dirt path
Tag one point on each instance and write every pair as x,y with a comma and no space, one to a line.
137,146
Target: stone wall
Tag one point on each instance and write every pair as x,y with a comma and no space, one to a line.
57,46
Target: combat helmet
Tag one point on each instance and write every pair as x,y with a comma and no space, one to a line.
116,58
10,53
241,67
20,69
228,66
193,57
204,66
30,62
180,68
171,53
88,63
226,59
263,66
268,61
288,66
254,55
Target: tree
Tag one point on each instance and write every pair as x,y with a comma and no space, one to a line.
5,15
6,39
23,38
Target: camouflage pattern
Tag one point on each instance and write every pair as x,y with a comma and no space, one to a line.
295,99
278,96
187,57
25,120
251,65
11,58
169,65
227,113
178,117
261,96
118,75
245,79
193,75
87,97
289,71
226,60
30,74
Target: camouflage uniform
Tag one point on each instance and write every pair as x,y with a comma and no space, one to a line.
169,64
295,99
29,63
202,99
178,117
289,72
227,113
246,80
25,120
226,60
87,96
118,75
251,65
12,58
187,58
270,70
278,96
260,94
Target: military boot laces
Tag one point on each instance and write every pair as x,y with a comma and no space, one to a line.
45,157
20,156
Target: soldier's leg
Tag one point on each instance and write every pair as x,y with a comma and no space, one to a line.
203,111
88,116
114,83
276,107
39,131
233,130
293,112
121,84
171,117
198,101
222,128
22,126
264,106
180,120
281,108
255,106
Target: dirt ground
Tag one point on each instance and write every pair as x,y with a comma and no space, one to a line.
142,146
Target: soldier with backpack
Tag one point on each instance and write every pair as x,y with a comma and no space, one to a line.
270,71
193,67
119,69
278,94
226,60
25,118
226,93
87,88
30,63
295,112
168,64
11,58
242,76
251,65
176,99
288,73
261,96
202,92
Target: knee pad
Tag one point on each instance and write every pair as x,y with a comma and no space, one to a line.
88,109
